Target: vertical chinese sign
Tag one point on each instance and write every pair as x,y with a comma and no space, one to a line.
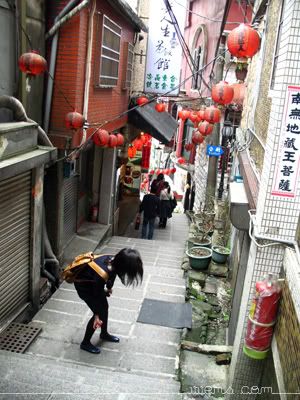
288,159
164,51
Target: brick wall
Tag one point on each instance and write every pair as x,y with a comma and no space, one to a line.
104,104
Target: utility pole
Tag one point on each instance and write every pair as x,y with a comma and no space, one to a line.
215,137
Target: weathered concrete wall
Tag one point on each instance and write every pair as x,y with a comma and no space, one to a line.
257,104
140,51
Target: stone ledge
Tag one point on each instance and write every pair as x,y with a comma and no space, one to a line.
205,348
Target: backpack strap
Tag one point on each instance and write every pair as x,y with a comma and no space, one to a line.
88,258
104,275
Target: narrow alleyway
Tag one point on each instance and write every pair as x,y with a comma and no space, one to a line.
142,365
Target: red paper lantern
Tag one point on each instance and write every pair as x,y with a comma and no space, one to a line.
222,93
160,107
239,93
101,137
197,138
113,141
173,170
141,100
151,172
74,120
120,139
32,63
212,115
181,160
138,144
193,116
157,171
168,171
243,41
205,128
188,146
201,114
183,115
131,151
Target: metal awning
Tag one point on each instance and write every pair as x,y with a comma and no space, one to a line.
162,126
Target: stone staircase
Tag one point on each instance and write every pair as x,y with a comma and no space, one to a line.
25,376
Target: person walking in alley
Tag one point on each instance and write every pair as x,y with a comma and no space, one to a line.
158,184
94,277
150,207
166,196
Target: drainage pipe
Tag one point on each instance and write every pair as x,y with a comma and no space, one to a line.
66,18
88,68
52,63
19,114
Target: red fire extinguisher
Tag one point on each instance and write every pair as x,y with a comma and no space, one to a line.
262,318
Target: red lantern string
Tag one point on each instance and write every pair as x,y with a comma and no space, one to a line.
74,120
243,41
212,115
205,128
101,137
222,93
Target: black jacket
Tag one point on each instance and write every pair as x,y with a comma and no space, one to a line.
91,287
150,206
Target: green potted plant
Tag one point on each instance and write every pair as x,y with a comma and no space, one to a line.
199,257
220,254
241,70
200,239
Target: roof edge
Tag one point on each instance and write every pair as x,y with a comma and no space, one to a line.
125,10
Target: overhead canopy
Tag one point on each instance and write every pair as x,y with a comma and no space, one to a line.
162,126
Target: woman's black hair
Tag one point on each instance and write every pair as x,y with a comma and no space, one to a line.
128,266
160,177
167,186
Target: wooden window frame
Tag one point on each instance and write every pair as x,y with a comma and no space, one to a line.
128,48
103,48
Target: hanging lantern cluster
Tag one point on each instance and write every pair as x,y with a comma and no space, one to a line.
184,114
222,93
188,146
197,138
74,120
212,115
160,107
102,138
131,151
243,41
140,101
32,63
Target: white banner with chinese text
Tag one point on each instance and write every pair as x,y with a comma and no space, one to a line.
288,159
164,52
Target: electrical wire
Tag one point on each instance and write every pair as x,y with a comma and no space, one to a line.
78,149
202,16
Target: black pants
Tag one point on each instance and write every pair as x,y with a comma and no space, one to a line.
99,308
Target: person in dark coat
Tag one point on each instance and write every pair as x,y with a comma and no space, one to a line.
157,184
166,196
150,208
94,289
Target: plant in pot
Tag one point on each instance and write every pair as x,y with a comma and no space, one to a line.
199,239
199,257
241,70
220,253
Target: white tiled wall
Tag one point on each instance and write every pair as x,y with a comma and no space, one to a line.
200,176
276,216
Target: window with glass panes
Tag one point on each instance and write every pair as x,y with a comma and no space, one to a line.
110,53
129,50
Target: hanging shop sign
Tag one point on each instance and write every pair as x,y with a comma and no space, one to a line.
288,157
214,150
164,50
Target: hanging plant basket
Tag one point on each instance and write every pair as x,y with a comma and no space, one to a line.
241,73
220,254
199,257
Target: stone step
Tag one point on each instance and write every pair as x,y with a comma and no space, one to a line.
23,373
